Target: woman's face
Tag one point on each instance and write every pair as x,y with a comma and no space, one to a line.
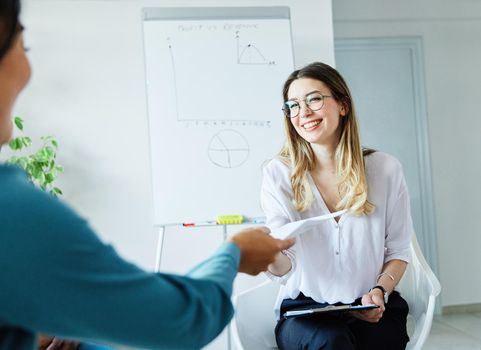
321,126
14,75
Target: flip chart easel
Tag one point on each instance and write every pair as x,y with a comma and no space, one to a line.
213,82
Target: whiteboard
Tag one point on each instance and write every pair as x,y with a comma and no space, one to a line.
214,78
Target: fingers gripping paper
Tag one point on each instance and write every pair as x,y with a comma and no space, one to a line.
296,228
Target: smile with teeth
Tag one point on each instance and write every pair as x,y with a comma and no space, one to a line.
312,124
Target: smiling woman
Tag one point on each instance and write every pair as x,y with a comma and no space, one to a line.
339,133
356,258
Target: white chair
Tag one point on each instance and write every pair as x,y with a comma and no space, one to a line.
254,321
419,287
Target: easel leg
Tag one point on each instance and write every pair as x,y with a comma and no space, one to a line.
160,245
224,232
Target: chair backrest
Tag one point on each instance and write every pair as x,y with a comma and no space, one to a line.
254,321
419,287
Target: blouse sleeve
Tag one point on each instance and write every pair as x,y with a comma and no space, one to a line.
399,226
277,205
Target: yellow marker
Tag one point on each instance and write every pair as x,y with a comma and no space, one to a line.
229,219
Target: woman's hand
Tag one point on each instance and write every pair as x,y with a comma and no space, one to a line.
375,296
258,249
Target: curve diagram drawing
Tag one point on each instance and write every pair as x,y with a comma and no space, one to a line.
249,54
228,149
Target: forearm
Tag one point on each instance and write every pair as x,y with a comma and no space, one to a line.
389,277
221,267
281,265
391,274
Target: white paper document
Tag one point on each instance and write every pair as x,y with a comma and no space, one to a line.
297,228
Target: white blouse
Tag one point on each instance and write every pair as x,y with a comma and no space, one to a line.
340,261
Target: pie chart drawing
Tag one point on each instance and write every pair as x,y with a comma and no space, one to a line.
228,149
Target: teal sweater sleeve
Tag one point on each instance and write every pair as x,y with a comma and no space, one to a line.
59,278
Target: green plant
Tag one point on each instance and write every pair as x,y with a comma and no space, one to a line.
40,166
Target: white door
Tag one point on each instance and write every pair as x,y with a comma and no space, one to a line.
387,83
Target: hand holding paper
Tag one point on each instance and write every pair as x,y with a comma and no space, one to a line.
297,228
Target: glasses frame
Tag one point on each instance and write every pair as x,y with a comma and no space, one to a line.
287,110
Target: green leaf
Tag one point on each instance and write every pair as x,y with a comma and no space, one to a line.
42,156
36,171
49,178
15,145
41,178
57,190
45,154
49,151
23,162
18,122
26,141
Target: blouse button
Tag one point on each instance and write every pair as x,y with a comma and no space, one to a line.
337,253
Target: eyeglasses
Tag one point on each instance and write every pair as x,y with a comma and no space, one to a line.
314,101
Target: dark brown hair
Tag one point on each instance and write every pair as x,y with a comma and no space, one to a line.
9,24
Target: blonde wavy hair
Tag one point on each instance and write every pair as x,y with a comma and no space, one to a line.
298,155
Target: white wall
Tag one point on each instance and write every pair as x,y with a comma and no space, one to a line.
452,50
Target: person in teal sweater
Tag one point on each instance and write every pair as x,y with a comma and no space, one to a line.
58,278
